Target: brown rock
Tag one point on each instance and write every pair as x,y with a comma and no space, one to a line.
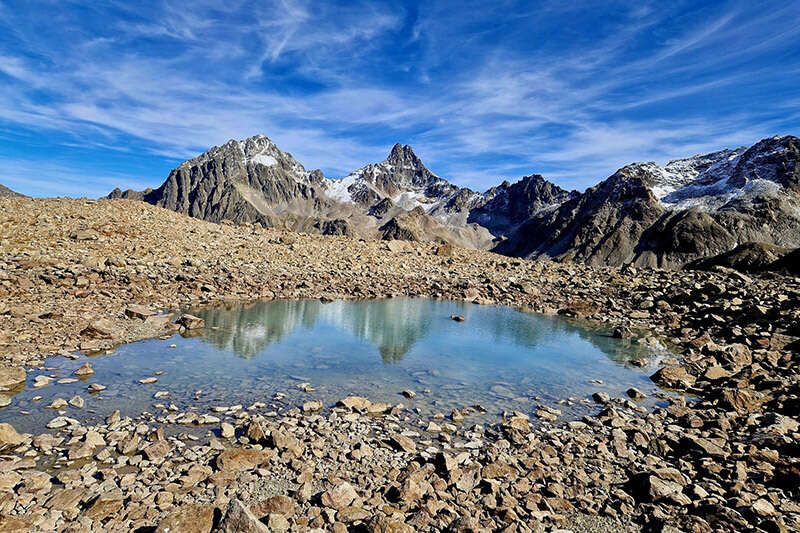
738,354
445,250
716,372
9,436
282,505
383,524
239,519
312,406
9,480
355,403
15,524
742,400
191,322
444,463
675,377
65,499
499,469
236,459
256,432
339,497
85,370
99,329
705,446
191,518
138,311
402,443
11,377
105,505
286,442
156,451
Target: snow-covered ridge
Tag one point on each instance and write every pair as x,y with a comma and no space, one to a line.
710,181
401,177
258,150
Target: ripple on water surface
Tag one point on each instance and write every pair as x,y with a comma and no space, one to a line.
498,357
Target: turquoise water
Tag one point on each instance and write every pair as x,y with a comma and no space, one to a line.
498,358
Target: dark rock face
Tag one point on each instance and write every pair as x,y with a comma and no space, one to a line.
381,208
404,227
789,263
752,257
600,226
129,194
508,205
241,181
7,193
334,227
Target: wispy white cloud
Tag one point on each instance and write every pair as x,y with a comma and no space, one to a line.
484,95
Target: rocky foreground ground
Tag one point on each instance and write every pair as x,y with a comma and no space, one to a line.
85,275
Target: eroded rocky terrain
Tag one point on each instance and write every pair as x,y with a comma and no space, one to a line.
86,275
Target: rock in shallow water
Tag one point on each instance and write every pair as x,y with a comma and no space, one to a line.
191,322
11,377
85,370
9,436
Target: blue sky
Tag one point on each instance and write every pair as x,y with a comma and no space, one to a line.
95,95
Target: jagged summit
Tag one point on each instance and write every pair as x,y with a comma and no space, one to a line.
402,177
510,204
255,150
403,156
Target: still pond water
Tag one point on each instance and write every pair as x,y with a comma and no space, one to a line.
499,358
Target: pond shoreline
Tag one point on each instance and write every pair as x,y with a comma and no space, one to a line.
691,466
405,350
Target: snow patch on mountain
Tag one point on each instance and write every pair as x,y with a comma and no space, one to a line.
339,189
262,159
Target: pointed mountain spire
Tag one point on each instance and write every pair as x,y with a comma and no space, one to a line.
403,156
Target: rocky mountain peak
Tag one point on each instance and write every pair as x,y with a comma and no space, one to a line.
774,159
403,156
510,204
256,150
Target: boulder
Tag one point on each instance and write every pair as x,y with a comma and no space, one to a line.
191,322
339,497
191,518
141,312
674,377
11,377
9,436
282,505
239,519
236,459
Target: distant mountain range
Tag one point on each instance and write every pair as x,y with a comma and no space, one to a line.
643,214
6,192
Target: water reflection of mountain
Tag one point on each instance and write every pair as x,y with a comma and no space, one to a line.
393,326
247,329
